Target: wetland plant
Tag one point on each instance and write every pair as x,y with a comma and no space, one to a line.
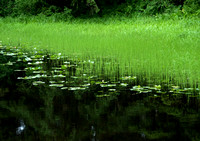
156,51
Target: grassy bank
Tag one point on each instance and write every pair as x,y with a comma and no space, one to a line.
152,49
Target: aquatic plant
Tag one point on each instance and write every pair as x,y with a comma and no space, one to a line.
154,50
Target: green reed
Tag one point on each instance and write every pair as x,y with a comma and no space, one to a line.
154,50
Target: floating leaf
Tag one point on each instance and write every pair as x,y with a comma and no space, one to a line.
56,85
144,92
111,85
112,90
103,95
52,82
74,77
19,60
124,84
27,59
103,85
64,88
39,71
136,88
158,87
99,82
61,81
58,71
19,70
129,78
11,54
38,62
74,88
20,77
63,67
86,85
33,68
59,76
175,87
66,62
56,68
10,63
35,83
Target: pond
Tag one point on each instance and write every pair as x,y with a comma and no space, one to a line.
52,97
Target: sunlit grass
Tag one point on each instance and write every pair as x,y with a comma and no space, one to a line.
154,50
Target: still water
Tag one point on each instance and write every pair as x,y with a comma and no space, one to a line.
50,98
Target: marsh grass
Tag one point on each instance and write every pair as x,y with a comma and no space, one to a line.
154,50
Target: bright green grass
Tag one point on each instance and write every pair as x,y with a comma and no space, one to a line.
152,49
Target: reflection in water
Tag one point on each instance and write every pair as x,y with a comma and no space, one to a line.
93,133
143,135
21,128
80,112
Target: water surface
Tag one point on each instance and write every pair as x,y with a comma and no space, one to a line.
51,97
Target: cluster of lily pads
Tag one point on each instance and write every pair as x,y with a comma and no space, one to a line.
59,71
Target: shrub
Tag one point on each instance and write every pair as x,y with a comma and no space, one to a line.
28,7
191,7
158,6
6,7
51,10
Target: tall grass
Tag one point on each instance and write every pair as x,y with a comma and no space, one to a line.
152,49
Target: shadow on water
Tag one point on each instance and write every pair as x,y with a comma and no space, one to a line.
47,97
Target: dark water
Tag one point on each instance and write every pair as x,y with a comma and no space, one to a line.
48,98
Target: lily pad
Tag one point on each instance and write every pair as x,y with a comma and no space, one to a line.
59,76
56,85
64,88
103,95
35,83
74,88
124,84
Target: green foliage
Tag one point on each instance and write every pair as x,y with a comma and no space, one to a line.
67,14
140,46
51,10
6,7
145,7
64,9
191,7
28,7
158,6
56,14
62,16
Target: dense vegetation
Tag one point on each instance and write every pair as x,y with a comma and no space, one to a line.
152,49
155,40
65,9
99,70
